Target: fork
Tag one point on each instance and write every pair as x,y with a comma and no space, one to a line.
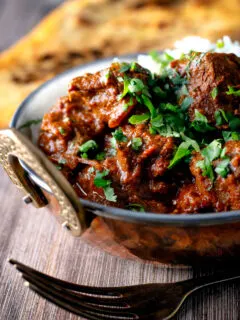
158,301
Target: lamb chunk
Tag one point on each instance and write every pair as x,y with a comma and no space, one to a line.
208,72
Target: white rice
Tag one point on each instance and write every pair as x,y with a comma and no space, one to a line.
192,44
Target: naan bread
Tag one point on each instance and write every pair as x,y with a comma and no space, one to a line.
85,30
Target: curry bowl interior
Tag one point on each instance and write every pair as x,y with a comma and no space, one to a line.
41,100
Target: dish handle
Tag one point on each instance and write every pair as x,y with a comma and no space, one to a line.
14,146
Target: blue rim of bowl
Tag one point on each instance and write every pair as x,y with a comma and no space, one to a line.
178,220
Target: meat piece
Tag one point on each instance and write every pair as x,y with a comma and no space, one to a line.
208,72
135,174
91,106
228,189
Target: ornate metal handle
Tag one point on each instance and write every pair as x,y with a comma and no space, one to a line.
14,146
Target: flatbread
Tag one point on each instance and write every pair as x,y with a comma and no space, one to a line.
85,30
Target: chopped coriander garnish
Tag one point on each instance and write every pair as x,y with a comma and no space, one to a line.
214,93
139,118
234,123
210,153
159,92
186,103
88,145
184,150
200,123
101,182
30,123
149,105
230,135
125,67
62,161
136,143
233,91
119,136
220,117
128,104
59,167
62,131
136,207
223,167
136,85
101,156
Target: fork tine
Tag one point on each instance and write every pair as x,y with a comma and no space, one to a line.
63,295
107,291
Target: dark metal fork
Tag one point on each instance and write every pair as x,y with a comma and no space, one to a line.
147,301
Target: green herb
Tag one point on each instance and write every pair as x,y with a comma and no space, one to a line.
230,135
234,123
214,93
87,146
186,103
220,44
136,143
136,85
233,91
139,118
125,67
136,207
220,117
119,136
101,156
223,167
210,153
184,150
62,131
84,155
149,105
62,161
101,182
59,167
169,107
159,92
30,123
200,123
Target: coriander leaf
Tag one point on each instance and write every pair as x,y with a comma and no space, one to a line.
220,117
186,103
136,85
62,131
109,194
182,151
126,82
159,92
234,123
88,145
101,156
100,182
30,123
157,122
233,91
214,93
136,207
169,107
206,167
119,136
213,150
191,142
149,105
230,135
125,67
223,167
136,143
200,123
62,161
139,118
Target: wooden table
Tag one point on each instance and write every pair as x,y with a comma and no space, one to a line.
33,236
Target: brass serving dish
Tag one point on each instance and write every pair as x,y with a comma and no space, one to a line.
167,238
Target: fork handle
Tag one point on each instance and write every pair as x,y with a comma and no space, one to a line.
219,277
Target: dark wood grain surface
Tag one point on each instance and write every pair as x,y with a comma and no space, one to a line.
33,237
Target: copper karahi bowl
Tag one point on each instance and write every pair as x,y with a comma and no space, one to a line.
167,238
